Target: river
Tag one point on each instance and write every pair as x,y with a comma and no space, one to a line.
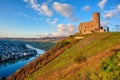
9,68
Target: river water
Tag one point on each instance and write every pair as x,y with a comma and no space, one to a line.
9,68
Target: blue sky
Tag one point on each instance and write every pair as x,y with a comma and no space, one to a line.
42,18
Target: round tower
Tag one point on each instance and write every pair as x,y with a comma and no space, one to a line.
96,20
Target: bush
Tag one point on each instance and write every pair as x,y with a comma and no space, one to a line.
79,74
65,43
80,58
71,36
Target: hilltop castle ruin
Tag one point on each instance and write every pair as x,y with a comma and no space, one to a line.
92,26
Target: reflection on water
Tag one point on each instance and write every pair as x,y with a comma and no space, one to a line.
8,68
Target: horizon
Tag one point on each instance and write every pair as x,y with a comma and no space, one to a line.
30,37
54,18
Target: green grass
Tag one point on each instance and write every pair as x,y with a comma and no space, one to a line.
110,68
90,45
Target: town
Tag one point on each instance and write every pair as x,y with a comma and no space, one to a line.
13,50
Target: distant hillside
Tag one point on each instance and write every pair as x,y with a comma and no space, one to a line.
78,57
45,39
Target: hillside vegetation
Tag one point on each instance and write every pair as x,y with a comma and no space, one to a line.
44,59
95,57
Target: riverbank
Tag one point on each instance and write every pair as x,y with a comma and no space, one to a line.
36,49
8,68
41,45
10,50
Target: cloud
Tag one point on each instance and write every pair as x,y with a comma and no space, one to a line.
22,14
26,0
47,20
48,35
46,10
2,35
118,7
42,35
26,15
104,23
36,19
86,8
62,30
41,9
55,20
116,27
102,3
112,13
63,9
109,14
66,29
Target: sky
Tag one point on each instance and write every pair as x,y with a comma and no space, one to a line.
53,18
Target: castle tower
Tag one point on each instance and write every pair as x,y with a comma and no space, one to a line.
96,20
91,26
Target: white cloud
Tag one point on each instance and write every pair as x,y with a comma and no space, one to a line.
55,34
62,30
46,10
104,23
43,35
102,3
63,9
66,29
112,13
47,20
75,19
70,27
26,0
55,20
41,9
48,35
109,14
86,8
26,15
34,5
118,7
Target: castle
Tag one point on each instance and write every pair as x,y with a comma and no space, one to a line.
92,26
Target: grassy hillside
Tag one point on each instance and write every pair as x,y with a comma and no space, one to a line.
91,45
95,57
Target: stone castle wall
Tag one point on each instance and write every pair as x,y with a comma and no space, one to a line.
92,26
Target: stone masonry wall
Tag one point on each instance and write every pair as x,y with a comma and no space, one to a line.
92,26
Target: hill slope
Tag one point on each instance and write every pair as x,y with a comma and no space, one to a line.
89,58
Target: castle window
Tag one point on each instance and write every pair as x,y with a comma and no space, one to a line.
101,27
85,29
